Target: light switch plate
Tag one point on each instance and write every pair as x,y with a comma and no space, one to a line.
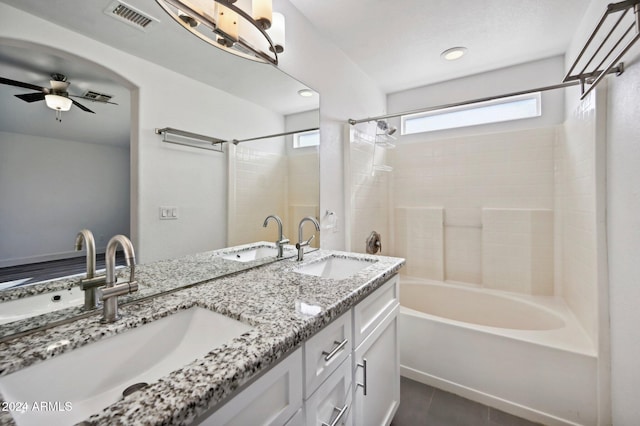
168,213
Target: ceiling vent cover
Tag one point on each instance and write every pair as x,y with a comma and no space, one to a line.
130,15
98,97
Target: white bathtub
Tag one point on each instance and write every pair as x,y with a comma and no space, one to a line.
521,354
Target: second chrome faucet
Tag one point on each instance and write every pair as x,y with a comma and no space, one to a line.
300,245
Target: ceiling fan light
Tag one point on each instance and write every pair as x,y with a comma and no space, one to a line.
58,103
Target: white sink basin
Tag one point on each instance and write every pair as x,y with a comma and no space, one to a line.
252,254
336,268
93,377
14,310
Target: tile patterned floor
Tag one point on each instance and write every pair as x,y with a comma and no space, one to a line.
423,405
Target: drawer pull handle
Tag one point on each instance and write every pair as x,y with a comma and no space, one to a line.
334,351
341,413
363,385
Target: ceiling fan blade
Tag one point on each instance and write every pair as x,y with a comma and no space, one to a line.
82,107
21,84
31,97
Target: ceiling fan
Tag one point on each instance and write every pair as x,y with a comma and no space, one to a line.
56,97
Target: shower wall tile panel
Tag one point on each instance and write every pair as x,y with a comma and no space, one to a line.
517,250
576,215
511,170
303,192
370,193
263,179
419,239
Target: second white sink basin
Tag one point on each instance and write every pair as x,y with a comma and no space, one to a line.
252,254
94,376
26,307
333,267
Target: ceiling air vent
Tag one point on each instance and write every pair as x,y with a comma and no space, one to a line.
130,15
98,97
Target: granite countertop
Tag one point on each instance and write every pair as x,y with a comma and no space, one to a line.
268,297
152,278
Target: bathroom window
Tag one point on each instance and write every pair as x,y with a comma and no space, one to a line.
497,110
306,139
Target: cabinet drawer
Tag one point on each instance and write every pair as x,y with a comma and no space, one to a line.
270,400
331,403
325,351
372,310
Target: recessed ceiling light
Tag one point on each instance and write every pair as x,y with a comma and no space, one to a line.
454,53
307,93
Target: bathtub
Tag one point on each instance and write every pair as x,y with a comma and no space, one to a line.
525,355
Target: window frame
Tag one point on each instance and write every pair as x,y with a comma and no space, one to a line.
536,96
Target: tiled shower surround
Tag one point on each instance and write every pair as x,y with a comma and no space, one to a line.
285,185
511,211
485,202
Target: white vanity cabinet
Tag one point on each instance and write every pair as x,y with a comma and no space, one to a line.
377,357
323,383
271,400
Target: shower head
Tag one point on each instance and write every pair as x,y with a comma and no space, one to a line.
384,126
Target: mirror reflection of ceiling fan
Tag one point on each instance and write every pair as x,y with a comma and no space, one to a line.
57,96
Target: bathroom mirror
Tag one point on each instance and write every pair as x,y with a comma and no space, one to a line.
55,175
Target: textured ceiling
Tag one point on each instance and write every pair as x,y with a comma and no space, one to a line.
398,43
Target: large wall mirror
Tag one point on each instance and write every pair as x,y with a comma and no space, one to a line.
60,173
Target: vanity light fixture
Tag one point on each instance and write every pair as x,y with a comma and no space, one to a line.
256,34
454,53
305,93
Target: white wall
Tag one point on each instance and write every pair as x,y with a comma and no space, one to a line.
52,188
622,224
193,180
345,92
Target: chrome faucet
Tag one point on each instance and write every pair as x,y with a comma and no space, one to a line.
300,245
91,282
282,240
109,295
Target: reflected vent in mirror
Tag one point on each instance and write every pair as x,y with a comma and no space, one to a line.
96,96
130,15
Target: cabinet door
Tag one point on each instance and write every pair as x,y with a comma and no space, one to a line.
377,374
271,400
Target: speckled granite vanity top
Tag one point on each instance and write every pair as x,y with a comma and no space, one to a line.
152,278
271,298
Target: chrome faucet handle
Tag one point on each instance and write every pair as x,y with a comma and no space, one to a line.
92,283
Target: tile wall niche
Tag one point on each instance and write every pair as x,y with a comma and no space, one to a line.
495,195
